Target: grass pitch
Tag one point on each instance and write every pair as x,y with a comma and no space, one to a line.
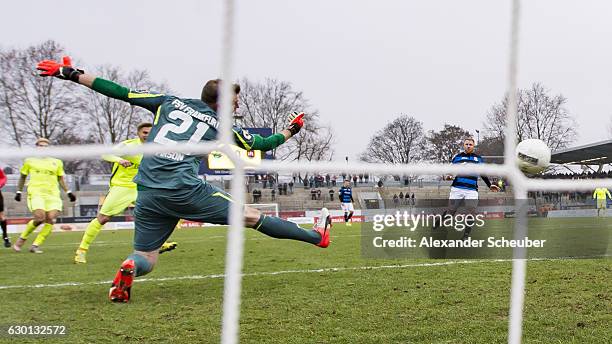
297,293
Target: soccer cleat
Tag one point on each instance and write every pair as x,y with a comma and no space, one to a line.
81,256
18,244
168,246
322,227
122,284
7,243
349,224
35,249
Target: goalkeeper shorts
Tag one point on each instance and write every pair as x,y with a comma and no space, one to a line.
158,211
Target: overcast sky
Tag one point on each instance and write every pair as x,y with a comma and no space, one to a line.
360,63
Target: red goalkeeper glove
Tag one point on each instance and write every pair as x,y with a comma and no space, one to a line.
296,122
63,70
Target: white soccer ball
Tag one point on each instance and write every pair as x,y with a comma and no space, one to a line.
533,156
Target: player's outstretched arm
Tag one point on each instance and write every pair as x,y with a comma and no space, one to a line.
64,70
117,159
258,142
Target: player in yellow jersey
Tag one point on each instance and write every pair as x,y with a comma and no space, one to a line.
122,192
44,199
602,202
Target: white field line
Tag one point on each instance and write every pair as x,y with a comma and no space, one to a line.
282,272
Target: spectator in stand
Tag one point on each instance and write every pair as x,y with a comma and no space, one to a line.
256,195
380,183
413,199
327,179
313,194
333,180
273,194
319,194
401,197
331,194
360,178
291,187
395,200
355,180
264,180
366,177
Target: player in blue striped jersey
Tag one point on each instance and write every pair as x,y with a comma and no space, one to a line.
465,188
346,201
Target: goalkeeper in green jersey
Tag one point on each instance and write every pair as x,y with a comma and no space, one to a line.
168,185
122,192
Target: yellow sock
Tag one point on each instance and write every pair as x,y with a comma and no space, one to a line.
44,233
91,232
30,227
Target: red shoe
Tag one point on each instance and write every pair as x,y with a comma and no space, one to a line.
120,290
322,227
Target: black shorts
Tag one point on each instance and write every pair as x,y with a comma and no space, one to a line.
1,202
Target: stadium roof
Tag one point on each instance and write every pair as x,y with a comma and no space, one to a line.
598,153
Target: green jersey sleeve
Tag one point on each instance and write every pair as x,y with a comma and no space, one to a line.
249,141
148,100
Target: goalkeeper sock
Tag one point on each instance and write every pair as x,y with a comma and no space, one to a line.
91,232
44,233
4,231
350,216
141,264
30,227
281,229
346,217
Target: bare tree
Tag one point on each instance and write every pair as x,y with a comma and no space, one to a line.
311,144
115,120
267,104
491,145
399,142
540,116
82,167
31,106
443,145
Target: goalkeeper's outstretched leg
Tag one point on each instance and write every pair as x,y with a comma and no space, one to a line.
156,219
